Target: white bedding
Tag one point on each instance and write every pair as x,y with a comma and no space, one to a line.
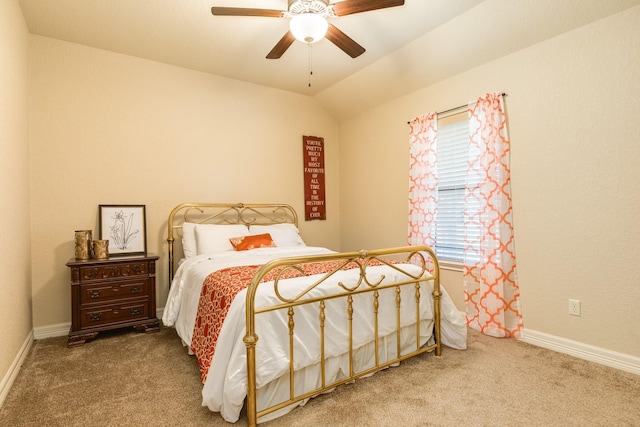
225,387
182,303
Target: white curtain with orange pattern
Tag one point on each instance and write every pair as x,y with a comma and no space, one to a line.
423,180
491,289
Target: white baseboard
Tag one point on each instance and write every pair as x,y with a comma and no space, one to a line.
588,352
59,330
12,373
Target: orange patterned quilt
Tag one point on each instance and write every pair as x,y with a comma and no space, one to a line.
218,291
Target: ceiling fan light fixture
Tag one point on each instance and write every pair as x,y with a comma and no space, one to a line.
308,27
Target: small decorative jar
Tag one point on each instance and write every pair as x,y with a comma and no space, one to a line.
83,244
100,249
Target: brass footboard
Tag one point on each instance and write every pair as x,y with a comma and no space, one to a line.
428,270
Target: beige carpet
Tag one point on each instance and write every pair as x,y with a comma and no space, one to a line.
134,379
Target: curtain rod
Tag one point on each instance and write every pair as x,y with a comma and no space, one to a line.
454,108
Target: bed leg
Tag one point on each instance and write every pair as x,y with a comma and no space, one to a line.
250,343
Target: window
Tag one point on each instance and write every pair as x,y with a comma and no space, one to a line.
453,154
443,192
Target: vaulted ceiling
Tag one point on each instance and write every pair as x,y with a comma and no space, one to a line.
407,47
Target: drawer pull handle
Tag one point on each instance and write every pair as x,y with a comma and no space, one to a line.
95,317
135,311
135,289
94,293
115,288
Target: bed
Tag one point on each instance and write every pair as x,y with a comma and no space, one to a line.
274,322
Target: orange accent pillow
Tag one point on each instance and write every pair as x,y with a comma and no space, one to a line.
252,242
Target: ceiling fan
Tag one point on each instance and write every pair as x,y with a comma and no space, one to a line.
308,21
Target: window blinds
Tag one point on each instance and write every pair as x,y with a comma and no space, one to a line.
453,153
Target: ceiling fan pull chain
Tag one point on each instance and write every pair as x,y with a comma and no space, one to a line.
310,64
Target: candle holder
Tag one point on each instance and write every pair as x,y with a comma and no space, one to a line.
100,249
83,244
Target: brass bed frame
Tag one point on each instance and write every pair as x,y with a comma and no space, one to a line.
266,214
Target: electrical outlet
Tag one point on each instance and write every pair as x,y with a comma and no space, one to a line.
574,307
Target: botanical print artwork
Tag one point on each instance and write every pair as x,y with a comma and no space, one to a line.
122,232
125,228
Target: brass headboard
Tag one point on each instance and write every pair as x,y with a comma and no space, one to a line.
224,213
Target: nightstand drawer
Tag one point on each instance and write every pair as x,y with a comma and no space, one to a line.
110,314
101,292
109,271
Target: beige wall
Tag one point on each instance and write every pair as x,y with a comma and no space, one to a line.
573,105
113,129
15,261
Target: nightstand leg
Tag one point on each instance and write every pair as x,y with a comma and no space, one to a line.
79,340
149,327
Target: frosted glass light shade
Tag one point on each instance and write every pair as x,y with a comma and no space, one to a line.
308,27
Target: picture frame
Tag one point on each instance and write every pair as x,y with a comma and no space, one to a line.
125,226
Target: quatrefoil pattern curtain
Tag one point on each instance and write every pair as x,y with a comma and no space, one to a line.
423,180
491,289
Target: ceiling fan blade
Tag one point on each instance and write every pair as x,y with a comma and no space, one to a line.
281,47
344,42
240,11
348,7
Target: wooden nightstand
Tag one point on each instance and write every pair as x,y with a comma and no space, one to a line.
112,293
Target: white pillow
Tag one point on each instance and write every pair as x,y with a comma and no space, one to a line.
283,235
189,247
211,238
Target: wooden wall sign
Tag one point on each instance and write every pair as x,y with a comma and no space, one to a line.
314,195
